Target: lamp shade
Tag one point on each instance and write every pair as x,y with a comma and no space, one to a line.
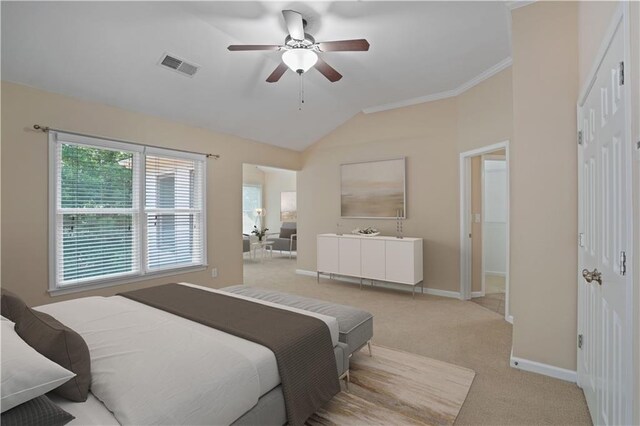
300,59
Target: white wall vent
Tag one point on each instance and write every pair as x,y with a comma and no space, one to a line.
178,65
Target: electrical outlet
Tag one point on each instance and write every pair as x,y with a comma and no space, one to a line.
214,272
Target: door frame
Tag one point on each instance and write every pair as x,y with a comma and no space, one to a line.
620,17
483,268
465,221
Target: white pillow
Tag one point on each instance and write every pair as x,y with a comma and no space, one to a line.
25,373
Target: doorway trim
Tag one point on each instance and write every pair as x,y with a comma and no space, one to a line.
465,221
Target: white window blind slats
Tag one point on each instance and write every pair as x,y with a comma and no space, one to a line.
99,233
173,208
96,215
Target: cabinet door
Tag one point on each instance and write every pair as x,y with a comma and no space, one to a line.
350,256
400,262
328,255
373,255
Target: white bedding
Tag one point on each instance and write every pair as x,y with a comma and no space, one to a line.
153,367
90,412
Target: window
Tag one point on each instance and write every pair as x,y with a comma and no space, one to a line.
251,200
122,211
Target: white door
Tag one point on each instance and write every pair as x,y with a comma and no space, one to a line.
604,315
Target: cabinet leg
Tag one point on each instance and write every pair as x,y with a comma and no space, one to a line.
360,283
318,276
422,287
369,346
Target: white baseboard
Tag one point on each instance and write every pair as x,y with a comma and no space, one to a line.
544,369
401,287
494,273
509,319
477,294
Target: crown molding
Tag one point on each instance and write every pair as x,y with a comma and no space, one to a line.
505,63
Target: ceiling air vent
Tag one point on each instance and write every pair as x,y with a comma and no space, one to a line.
178,65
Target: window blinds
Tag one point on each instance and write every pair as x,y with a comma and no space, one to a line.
110,223
173,211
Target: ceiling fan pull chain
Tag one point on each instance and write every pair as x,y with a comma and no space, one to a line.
301,93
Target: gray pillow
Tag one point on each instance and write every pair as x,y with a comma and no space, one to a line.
39,411
55,341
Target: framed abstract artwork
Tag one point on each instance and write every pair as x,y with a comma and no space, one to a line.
373,189
288,208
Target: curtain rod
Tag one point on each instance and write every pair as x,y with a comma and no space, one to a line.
45,129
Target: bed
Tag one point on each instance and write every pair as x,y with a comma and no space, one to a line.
135,350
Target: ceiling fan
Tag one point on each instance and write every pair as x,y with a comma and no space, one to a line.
301,50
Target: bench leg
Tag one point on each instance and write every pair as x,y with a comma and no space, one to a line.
318,277
369,346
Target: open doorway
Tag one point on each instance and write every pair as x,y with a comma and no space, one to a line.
485,228
269,218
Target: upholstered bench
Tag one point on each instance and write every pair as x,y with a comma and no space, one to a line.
355,325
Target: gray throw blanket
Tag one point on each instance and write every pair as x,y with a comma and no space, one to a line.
302,344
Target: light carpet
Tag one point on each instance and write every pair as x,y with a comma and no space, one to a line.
450,330
398,388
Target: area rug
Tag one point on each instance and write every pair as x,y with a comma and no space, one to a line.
398,388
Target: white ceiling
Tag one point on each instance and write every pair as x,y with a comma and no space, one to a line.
108,52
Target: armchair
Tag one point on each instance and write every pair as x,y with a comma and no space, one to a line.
287,239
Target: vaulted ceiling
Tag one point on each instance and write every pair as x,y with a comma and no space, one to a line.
108,52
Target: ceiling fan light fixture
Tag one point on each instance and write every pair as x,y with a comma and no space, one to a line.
300,60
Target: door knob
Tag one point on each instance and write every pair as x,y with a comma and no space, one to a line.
594,275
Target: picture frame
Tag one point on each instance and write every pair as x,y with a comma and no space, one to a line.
288,206
373,189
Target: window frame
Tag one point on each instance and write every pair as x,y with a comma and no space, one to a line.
142,273
253,185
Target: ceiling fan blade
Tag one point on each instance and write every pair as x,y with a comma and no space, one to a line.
277,73
344,45
294,24
327,70
243,47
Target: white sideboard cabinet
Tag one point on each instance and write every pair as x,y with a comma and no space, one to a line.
396,260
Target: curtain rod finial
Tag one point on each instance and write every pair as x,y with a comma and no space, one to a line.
41,128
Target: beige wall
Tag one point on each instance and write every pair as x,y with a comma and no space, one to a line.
485,113
252,175
543,186
426,135
431,136
594,18
277,182
24,183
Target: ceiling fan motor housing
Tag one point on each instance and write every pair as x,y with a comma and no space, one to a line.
308,42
